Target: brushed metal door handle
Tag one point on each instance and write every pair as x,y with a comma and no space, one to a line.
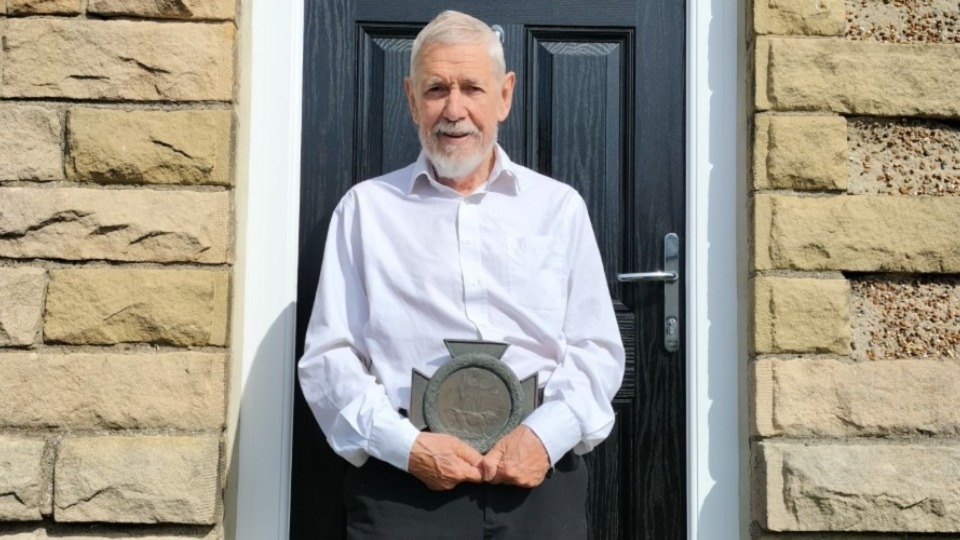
670,277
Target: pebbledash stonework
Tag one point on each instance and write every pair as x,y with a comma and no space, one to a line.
117,176
116,254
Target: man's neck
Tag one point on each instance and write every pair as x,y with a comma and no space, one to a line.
470,183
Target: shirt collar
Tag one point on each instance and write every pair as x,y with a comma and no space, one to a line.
503,178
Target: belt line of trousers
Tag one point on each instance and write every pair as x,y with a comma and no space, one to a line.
383,502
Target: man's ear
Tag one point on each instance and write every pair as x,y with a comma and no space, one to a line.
506,95
411,100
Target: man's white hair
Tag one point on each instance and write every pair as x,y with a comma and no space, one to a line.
455,28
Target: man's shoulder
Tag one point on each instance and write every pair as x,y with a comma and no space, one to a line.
394,183
545,187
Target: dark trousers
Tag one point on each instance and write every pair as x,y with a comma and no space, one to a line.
383,502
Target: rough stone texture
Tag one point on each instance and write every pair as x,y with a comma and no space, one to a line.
800,152
107,60
107,532
904,157
801,315
161,147
857,233
839,536
858,487
823,17
904,21
30,143
121,225
22,483
906,317
143,479
182,390
103,306
21,310
857,77
838,398
172,9
40,7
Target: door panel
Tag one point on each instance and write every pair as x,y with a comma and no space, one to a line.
599,105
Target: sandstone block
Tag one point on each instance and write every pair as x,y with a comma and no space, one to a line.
22,482
25,531
857,233
906,487
106,60
103,306
820,18
43,7
21,311
159,147
182,390
800,152
168,9
148,479
857,77
801,315
119,225
833,398
30,143
831,536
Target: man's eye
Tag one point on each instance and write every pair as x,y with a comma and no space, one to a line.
436,90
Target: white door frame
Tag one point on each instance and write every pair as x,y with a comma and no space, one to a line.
267,206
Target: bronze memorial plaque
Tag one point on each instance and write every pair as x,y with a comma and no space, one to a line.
474,396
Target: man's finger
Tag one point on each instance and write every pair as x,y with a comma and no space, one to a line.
491,463
468,454
470,473
438,460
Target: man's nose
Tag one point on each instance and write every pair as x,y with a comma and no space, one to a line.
454,109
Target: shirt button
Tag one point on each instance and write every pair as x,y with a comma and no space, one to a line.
476,283
469,242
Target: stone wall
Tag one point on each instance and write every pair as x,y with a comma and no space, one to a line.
855,201
116,249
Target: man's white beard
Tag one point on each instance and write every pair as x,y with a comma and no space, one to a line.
448,163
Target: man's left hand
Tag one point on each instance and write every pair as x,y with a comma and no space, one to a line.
519,458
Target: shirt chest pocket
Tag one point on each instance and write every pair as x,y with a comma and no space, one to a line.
535,269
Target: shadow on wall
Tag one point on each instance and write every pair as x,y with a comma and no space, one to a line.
263,431
726,252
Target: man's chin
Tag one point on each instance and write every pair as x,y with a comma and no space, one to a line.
454,171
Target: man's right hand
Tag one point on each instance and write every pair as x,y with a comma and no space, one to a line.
442,461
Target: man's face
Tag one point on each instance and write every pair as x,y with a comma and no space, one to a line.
457,102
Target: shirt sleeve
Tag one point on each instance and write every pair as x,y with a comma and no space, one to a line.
348,402
577,412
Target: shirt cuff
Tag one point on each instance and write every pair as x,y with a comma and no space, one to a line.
556,426
392,438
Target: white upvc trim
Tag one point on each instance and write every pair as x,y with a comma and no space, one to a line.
268,191
714,172
264,310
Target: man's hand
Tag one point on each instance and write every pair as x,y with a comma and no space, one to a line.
443,461
519,458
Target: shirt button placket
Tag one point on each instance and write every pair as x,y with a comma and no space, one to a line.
470,264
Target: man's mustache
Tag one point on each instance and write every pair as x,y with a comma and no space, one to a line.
455,128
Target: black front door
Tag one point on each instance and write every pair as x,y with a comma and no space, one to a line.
600,105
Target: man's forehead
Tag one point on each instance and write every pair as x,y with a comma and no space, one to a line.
468,58
460,78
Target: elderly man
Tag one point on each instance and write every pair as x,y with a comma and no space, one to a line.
461,244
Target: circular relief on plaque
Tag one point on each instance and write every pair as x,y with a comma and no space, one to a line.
474,397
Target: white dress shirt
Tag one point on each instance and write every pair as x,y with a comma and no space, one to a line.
410,262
